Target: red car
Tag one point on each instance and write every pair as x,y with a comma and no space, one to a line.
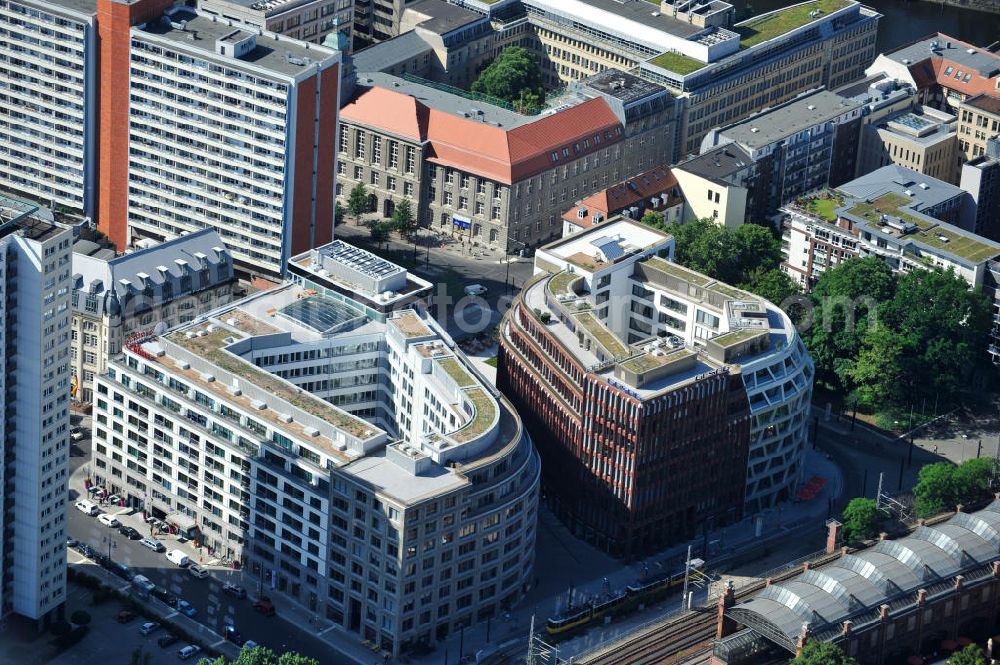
125,616
264,606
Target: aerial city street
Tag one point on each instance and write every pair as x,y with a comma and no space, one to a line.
549,332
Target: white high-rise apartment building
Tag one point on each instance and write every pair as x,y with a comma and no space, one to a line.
339,447
225,132
36,268
47,108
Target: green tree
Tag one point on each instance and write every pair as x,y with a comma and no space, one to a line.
843,298
815,652
357,201
653,218
730,256
403,219
705,246
262,656
935,489
80,617
515,76
774,285
972,480
338,212
379,230
756,247
929,339
972,654
861,519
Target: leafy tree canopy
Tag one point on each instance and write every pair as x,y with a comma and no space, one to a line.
402,217
262,656
729,255
861,519
942,486
972,654
937,327
815,652
515,76
842,300
357,201
774,284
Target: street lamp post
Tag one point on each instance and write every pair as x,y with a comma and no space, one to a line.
111,545
506,279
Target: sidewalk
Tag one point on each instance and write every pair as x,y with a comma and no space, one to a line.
133,518
442,242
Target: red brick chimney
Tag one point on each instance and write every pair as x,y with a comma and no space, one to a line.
725,626
832,535
804,636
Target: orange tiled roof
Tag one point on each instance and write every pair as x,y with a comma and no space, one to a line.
505,155
637,189
932,70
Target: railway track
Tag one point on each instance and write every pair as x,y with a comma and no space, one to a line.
678,638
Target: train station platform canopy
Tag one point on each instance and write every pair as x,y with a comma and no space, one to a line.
857,584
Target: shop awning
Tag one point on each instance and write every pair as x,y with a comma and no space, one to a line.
181,521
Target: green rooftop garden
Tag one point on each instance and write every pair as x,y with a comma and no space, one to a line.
677,271
824,206
456,372
734,337
486,412
777,23
649,361
561,282
677,63
947,240
210,347
733,292
599,332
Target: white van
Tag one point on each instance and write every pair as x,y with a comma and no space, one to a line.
178,557
87,507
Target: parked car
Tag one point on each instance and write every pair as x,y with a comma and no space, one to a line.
153,544
265,606
148,627
125,616
235,590
76,435
121,570
130,533
231,634
167,640
114,499
188,651
144,583
164,595
87,507
178,557
72,542
186,608
109,520
249,644
475,290
197,571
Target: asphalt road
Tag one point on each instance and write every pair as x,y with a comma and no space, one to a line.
214,608
450,267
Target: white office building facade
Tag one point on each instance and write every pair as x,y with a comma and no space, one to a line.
402,505
35,263
48,65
